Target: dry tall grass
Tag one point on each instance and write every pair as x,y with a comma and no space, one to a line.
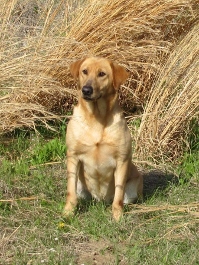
173,102
39,39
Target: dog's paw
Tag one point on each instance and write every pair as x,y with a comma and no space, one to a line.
117,214
68,211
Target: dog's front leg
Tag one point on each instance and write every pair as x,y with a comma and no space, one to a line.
120,183
71,199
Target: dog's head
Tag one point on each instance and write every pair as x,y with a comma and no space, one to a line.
98,77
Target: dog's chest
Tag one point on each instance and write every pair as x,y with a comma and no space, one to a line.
97,150
98,165
98,147
97,154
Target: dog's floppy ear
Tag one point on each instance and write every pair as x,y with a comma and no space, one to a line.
119,75
74,68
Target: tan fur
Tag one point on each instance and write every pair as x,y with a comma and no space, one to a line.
98,140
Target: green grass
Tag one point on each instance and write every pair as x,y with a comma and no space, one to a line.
162,230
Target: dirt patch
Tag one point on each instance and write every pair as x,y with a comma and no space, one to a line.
88,251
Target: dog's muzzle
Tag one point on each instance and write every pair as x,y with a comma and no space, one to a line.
87,91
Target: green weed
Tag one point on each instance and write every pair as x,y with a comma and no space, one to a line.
53,150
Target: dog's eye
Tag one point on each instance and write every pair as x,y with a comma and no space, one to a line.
85,72
101,74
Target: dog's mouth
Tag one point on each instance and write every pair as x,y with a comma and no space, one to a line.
90,98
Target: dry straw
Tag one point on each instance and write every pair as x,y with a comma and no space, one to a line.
39,39
173,102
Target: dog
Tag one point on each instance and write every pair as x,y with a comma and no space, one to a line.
99,147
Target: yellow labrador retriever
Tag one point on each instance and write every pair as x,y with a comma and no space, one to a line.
98,140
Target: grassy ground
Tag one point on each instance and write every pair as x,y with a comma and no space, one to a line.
162,230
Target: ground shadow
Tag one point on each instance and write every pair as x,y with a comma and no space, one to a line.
157,180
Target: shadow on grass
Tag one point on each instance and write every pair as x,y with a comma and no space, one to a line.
157,181
85,204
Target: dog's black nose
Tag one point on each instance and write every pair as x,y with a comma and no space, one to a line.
87,90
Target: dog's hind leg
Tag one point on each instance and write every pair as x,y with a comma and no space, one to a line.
133,190
82,192
130,194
